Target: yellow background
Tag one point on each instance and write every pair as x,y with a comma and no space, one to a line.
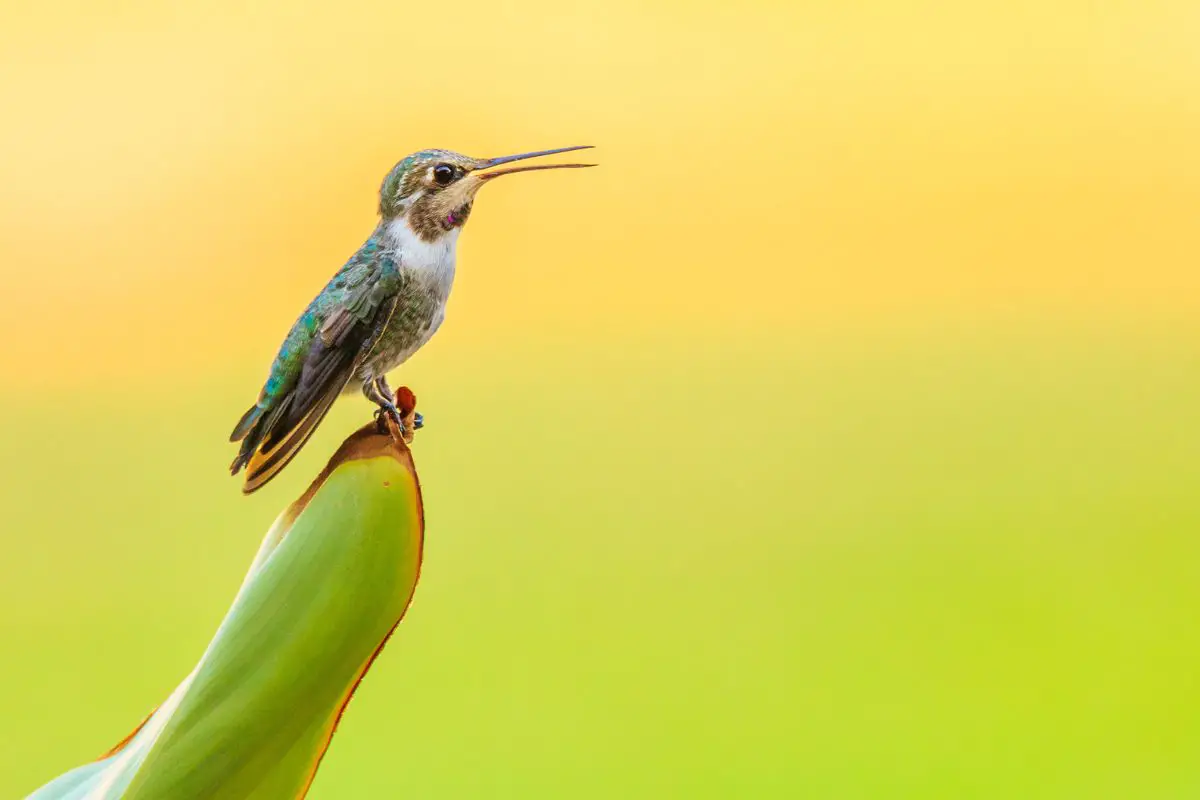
836,437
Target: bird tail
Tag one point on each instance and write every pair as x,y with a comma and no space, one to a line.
267,447
248,420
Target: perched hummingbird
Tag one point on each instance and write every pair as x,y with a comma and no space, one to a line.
379,309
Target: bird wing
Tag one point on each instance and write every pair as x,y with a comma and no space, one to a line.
359,304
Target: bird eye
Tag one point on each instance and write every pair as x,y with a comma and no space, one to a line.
443,174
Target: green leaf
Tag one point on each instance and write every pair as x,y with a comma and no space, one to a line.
333,577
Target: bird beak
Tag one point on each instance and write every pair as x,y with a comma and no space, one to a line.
488,163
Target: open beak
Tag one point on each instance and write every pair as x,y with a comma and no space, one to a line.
488,163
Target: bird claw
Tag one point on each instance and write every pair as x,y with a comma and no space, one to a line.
389,420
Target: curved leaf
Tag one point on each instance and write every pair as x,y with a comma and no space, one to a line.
333,577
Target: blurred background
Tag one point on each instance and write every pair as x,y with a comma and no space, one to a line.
836,438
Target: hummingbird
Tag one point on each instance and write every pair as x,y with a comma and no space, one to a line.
379,309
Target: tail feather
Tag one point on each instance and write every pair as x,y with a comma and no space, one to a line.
264,461
260,433
248,420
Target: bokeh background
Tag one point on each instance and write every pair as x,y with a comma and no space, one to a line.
836,438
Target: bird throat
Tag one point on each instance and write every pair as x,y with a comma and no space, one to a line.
430,219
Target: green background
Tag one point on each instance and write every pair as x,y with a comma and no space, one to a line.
955,563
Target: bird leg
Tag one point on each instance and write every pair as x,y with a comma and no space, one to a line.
385,388
379,393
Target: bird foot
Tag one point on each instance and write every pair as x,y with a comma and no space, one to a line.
388,419
399,418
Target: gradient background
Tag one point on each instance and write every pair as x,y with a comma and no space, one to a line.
836,438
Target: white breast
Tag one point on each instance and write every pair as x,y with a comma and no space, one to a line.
434,261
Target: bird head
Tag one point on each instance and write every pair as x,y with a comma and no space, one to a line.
433,190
